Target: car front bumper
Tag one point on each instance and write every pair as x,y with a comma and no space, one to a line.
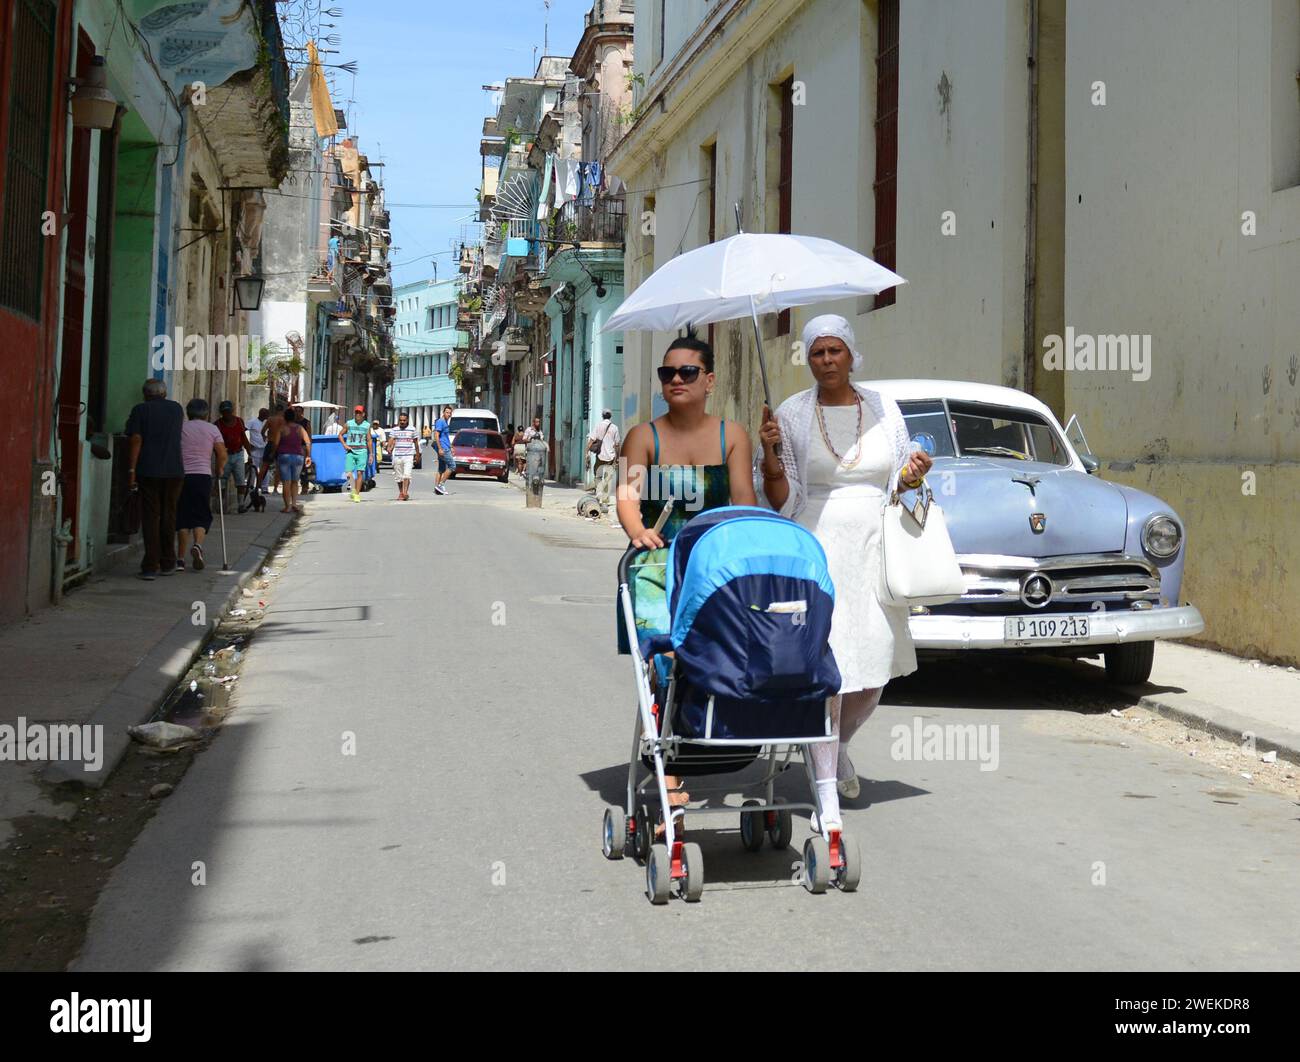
1104,628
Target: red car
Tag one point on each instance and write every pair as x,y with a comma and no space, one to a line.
480,453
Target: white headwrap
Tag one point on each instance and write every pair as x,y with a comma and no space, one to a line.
831,324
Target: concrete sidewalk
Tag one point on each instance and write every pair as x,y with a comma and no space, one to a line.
1227,696
112,652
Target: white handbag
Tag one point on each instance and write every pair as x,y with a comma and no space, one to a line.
917,562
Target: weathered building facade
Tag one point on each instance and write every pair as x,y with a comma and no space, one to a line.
150,186
1037,171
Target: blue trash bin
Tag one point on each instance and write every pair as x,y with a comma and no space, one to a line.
327,455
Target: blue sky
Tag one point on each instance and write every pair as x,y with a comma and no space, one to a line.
419,105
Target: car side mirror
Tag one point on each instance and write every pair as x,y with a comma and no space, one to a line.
1090,464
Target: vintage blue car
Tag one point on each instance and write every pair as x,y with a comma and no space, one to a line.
1055,558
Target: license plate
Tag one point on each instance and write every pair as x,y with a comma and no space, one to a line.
1054,629
477,466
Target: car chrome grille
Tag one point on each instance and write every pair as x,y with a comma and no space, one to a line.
994,580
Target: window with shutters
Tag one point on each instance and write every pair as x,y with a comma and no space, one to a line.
711,172
786,178
27,152
886,183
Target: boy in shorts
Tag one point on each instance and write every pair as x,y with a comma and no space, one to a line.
357,445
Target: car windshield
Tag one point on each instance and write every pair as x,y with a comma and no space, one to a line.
482,440
978,428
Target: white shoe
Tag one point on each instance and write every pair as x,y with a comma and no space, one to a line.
815,823
847,776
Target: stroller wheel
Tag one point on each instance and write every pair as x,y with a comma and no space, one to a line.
658,874
752,826
851,872
613,833
816,864
693,886
642,835
780,827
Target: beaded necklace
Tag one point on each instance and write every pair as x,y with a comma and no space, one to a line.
826,438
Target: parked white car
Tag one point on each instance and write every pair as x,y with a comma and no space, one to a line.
1055,558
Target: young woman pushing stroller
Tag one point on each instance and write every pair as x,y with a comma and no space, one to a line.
687,460
843,446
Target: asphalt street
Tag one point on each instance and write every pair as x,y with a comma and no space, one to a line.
433,718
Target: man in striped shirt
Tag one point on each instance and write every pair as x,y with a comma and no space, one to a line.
402,441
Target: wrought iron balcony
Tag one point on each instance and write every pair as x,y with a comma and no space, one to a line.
604,221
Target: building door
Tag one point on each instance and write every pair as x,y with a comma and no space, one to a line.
74,319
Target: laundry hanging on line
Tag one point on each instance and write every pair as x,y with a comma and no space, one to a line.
543,194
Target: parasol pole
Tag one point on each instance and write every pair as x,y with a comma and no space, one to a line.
758,340
762,362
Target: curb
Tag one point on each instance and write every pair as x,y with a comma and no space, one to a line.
147,686
1227,724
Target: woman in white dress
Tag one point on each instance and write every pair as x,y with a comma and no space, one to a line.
843,446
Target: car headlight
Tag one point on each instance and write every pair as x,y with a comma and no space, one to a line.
1162,536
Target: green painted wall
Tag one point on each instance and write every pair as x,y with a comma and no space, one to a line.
132,299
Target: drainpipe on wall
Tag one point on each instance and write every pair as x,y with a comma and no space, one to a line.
1030,364
62,539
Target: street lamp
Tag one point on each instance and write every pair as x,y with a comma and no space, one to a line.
248,292
93,105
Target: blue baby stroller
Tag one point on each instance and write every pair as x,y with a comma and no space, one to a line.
750,601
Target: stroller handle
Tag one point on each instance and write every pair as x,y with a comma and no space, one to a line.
626,560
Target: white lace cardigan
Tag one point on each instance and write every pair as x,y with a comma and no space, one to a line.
795,416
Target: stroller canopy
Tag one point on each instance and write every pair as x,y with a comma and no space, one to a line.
751,600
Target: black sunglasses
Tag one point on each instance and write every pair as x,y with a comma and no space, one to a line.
688,373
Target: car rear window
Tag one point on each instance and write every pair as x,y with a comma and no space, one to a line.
461,423
483,440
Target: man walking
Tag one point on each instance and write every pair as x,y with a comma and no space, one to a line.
402,442
239,448
258,441
158,473
603,443
446,461
271,429
358,446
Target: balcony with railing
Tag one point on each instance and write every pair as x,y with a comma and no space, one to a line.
601,222
323,285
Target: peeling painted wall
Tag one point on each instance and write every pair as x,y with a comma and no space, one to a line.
1158,181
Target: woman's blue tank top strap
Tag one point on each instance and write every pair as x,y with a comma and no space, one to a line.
722,439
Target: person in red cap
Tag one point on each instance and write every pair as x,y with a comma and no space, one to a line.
359,449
